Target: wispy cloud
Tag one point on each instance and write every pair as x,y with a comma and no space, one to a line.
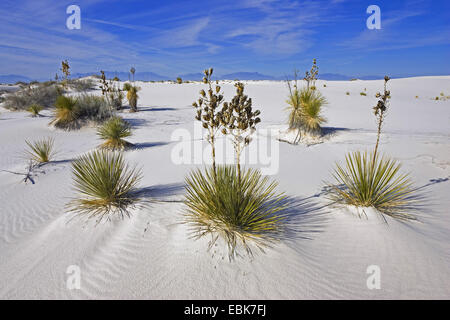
393,35
180,36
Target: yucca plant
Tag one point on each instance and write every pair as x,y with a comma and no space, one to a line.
295,109
113,132
239,120
311,76
208,111
132,96
305,110
34,109
367,180
244,212
311,102
65,114
106,185
41,151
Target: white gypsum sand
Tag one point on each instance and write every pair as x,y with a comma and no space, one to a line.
150,255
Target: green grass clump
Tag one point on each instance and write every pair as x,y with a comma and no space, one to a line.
368,181
113,132
241,211
41,151
347,93
34,109
363,93
106,185
81,85
305,110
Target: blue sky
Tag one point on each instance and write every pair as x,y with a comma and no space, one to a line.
267,36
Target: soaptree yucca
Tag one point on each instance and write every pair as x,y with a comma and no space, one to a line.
34,109
243,212
106,185
367,180
113,132
41,151
305,110
208,111
132,96
65,114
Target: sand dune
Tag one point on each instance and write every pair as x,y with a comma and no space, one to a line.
150,255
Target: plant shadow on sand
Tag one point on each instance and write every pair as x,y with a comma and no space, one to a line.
303,218
146,145
312,139
136,122
161,191
332,131
157,109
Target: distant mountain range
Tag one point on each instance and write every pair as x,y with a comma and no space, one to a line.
13,78
151,76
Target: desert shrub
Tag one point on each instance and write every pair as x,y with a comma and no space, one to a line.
111,92
363,94
92,108
116,98
113,132
179,80
242,211
43,94
105,184
80,85
34,109
72,113
367,180
41,151
347,93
